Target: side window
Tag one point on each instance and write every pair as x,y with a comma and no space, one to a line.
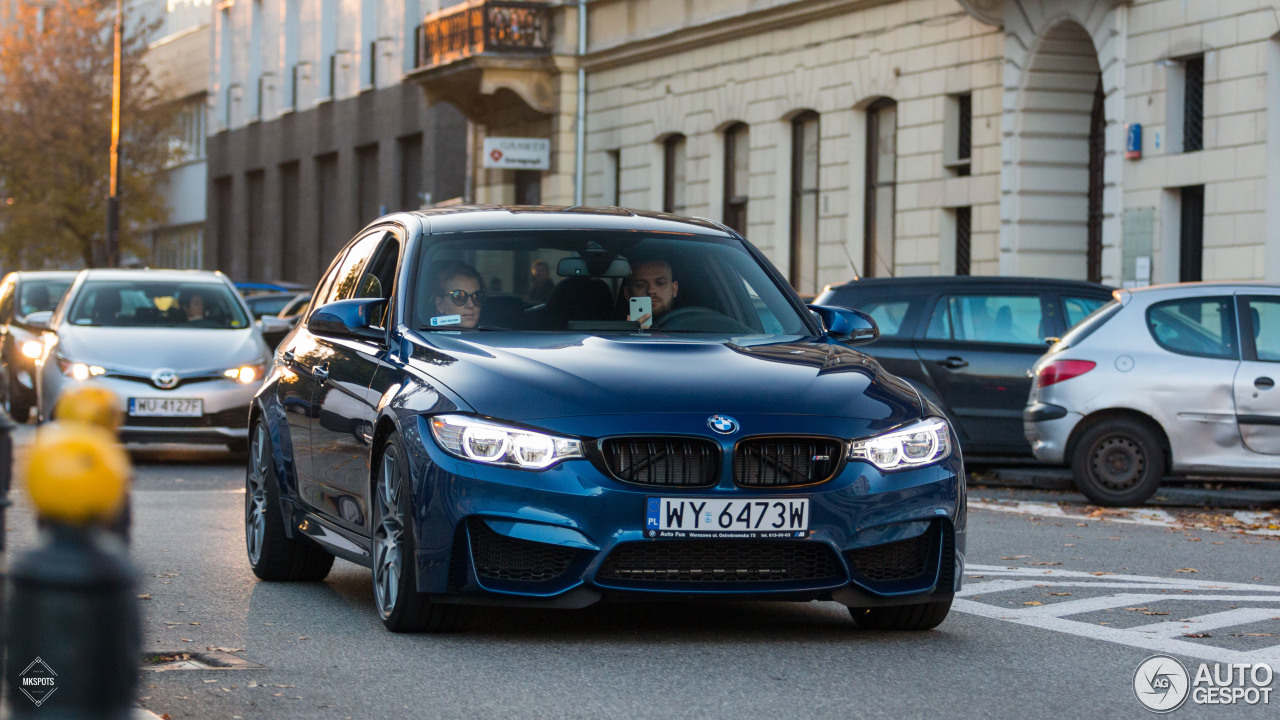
767,320
1264,316
1075,309
346,281
1204,327
890,315
378,278
1017,319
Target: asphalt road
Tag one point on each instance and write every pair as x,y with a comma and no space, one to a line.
1061,604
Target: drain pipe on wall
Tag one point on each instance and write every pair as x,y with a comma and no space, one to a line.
580,150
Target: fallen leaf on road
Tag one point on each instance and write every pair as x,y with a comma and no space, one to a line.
282,686
1152,612
1137,608
1196,635
1015,557
276,694
1253,634
1033,602
145,597
1068,544
167,575
1100,574
1059,594
225,650
302,637
975,577
206,682
1104,623
193,623
186,639
1187,570
1045,563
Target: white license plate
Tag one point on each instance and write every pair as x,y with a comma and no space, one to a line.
710,517
166,407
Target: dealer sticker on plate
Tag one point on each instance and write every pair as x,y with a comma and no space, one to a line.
714,518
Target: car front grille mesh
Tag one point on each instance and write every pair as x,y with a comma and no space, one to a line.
902,560
662,461
720,561
782,462
499,557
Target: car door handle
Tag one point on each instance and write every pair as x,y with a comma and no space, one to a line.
320,372
1264,383
954,362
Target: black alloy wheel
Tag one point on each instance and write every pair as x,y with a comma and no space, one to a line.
395,591
272,553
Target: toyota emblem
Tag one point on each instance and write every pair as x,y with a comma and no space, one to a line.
165,379
723,424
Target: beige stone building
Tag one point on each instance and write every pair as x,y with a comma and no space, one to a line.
904,137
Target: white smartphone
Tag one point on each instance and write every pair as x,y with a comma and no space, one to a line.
641,306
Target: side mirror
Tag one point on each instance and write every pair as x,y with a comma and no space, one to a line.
347,319
272,324
38,320
851,327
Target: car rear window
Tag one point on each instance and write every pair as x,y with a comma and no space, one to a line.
1203,327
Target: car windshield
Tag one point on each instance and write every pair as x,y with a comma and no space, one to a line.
582,281
41,295
151,303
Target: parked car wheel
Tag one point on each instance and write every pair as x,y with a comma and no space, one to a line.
922,616
272,553
401,606
1118,462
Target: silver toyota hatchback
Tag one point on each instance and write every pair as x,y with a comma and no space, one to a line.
178,347
1177,379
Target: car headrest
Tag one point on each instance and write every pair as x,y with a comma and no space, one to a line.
580,298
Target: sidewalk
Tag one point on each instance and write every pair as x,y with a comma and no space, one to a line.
1175,492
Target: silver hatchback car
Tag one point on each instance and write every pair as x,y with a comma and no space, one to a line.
1171,379
179,347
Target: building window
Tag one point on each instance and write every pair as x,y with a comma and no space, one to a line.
369,34
804,203
181,248
736,176
1193,104
958,148
882,157
673,175
1191,235
188,145
411,192
963,247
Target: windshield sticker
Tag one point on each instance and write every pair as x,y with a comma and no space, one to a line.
444,320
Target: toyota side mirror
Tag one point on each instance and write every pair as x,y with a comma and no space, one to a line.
348,319
851,327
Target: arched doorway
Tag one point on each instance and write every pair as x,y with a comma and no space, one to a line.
1060,151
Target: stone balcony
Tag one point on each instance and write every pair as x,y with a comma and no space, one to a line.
489,58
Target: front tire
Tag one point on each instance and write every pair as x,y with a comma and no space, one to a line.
395,589
274,555
911,618
1118,462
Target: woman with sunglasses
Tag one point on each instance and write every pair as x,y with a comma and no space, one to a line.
457,292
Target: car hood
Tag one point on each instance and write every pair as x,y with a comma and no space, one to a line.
527,376
141,350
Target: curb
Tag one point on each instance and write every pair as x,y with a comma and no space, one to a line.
1181,493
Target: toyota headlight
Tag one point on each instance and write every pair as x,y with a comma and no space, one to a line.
79,371
488,442
920,443
245,374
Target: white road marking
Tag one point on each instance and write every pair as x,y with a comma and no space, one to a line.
1129,516
1155,637
1213,621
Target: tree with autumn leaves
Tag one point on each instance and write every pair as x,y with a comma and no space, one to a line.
55,134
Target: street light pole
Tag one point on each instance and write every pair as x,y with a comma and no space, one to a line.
113,198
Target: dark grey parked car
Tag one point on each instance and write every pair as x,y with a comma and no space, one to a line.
967,343
23,294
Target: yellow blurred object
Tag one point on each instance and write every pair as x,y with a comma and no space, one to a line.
92,404
76,472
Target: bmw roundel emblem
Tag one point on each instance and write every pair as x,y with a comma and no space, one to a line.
723,424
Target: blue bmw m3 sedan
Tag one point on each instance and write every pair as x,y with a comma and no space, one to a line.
556,406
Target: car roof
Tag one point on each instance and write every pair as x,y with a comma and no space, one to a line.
210,276
962,281
1201,288
555,217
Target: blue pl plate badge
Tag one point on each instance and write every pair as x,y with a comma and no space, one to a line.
651,522
444,320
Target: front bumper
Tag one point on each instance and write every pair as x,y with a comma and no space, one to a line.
225,404
572,534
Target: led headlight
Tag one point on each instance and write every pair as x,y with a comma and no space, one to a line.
920,443
489,442
246,374
79,371
32,349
